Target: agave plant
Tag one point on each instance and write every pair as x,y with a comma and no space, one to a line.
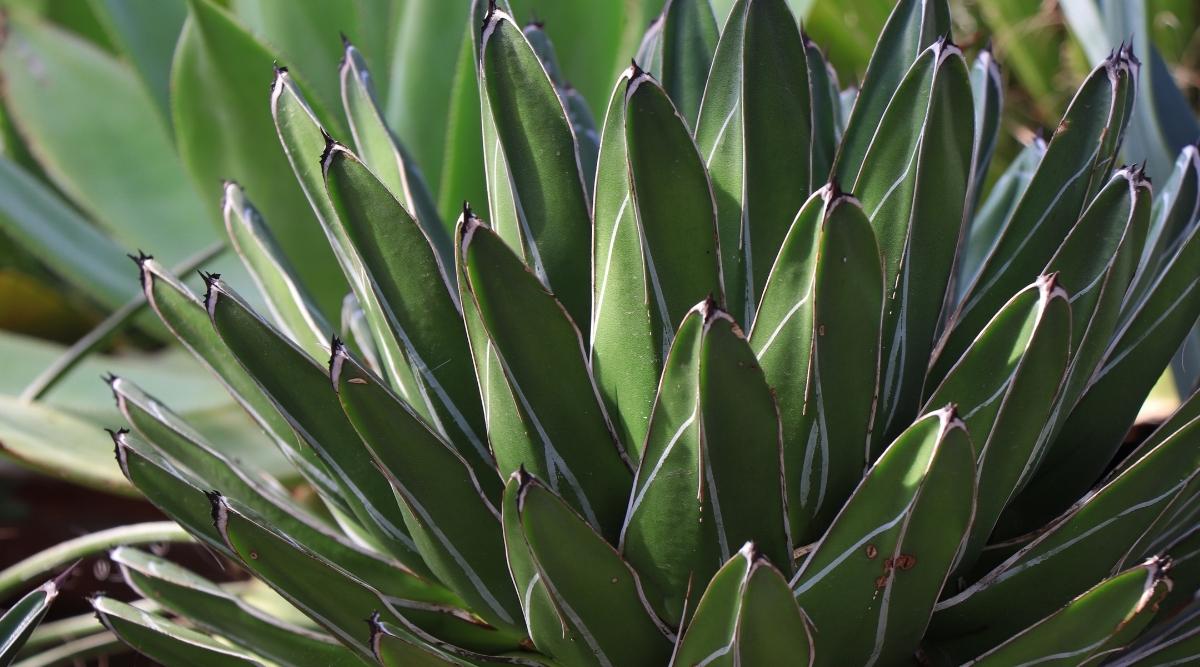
753,373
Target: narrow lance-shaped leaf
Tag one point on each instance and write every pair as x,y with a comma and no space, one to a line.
1176,210
202,602
714,433
987,91
166,642
913,185
561,428
299,388
539,147
870,584
381,150
291,305
747,616
1095,539
821,311
583,603
826,108
302,137
414,295
649,53
307,582
462,173
19,620
1005,387
755,132
913,26
454,524
218,65
184,315
409,646
1076,163
689,38
984,227
1103,619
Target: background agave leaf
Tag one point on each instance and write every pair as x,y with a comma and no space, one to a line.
146,34
163,640
877,575
747,615
689,37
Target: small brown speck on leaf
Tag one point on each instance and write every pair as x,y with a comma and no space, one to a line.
253,555
356,381
881,582
821,330
906,561
872,552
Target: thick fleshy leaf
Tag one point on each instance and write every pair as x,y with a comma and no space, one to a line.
1176,210
754,133
454,524
300,390
56,443
405,274
1094,624
747,616
1076,164
1097,538
826,113
987,90
821,310
562,431
215,610
184,316
46,72
383,152
913,185
1175,642
994,214
146,33
543,166
307,582
913,26
222,134
1005,387
409,646
292,307
583,603
19,620
714,433
627,328
303,135
163,641
462,173
870,584
689,38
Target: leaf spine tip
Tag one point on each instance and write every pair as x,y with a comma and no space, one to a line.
337,359
345,40
140,258
375,624
331,146
950,419
109,379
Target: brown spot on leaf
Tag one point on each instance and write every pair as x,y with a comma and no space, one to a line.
881,582
872,552
253,555
356,381
906,561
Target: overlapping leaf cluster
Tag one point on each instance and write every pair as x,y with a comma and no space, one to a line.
753,372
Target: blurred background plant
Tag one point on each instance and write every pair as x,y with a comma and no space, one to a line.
119,120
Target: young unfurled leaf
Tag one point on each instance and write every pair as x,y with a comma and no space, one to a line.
714,434
817,338
870,584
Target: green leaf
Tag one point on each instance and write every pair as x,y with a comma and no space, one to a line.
1005,387
1176,209
292,306
747,616
454,524
148,202
994,213
57,443
37,220
1097,538
754,133
185,317
550,199
583,603
164,641
19,620
101,644
817,338
405,274
877,572
562,430
146,32
826,113
714,433
213,609
913,185
409,646
1103,619
987,91
912,27
300,390
689,39
222,134
306,582
383,152
462,175
1075,166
